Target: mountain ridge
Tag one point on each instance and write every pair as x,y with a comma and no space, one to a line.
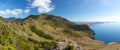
44,32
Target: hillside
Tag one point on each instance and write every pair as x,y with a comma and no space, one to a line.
46,32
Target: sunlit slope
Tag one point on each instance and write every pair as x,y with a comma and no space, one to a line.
43,32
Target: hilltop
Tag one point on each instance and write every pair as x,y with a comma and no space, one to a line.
46,32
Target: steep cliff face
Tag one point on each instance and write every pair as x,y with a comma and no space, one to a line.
44,32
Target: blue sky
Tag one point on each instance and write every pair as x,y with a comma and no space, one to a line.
74,10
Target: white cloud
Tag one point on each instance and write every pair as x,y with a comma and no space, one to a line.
27,11
14,11
42,5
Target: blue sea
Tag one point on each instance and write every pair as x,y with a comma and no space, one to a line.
107,32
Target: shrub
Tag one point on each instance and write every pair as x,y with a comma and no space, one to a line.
69,48
7,48
35,41
10,48
67,31
48,45
40,33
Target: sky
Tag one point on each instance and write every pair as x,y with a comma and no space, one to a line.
73,10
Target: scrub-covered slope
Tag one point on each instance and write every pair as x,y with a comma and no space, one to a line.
45,32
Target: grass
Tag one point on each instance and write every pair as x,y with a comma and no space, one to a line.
40,33
7,48
45,44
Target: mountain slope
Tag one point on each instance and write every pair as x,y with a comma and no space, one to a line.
44,32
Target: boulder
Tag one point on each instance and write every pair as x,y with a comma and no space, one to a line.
63,45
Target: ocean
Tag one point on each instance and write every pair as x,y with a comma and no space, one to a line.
107,32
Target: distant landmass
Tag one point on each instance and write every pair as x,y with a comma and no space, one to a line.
94,23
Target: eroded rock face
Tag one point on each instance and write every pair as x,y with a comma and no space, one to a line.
65,45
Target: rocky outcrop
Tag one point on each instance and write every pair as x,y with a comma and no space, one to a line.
67,45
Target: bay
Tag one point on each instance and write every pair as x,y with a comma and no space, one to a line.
107,32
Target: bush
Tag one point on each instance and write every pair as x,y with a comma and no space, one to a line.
48,45
7,48
69,48
67,31
35,41
40,33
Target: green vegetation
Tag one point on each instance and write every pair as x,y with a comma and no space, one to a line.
7,48
45,44
40,33
29,33
48,45
33,40
67,31
69,47
55,21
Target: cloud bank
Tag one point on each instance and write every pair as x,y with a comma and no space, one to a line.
13,12
43,6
